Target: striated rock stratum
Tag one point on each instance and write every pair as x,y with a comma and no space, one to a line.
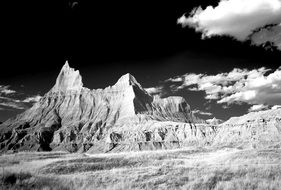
122,117
254,130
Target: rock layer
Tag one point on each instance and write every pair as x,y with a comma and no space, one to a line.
122,117
253,130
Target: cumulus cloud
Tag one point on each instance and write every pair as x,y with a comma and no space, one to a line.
258,107
11,99
153,90
256,87
268,36
276,107
236,18
202,112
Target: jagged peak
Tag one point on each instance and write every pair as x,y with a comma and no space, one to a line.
68,79
127,80
65,66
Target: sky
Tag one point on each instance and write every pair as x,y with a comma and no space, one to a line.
223,57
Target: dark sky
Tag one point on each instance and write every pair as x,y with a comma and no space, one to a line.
108,39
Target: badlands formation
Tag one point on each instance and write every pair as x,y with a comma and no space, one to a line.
260,129
124,117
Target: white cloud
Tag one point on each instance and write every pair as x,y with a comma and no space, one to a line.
235,18
6,90
276,107
258,107
212,97
11,103
153,90
257,86
239,97
177,79
191,79
7,102
14,102
202,112
32,99
268,34
2,98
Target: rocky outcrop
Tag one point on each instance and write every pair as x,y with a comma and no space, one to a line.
68,80
253,130
214,121
121,117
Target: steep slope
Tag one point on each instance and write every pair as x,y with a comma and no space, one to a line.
253,130
121,117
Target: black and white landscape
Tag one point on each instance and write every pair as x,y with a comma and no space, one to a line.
141,95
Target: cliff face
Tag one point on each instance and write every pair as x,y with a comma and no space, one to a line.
253,130
121,117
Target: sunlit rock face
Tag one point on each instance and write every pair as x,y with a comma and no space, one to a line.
253,130
68,80
122,117
214,121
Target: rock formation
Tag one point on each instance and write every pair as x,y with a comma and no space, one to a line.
122,117
253,130
214,121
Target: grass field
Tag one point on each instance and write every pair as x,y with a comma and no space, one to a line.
166,169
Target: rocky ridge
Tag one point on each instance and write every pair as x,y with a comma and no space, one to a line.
253,130
122,117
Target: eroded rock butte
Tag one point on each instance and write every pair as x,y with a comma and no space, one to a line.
122,117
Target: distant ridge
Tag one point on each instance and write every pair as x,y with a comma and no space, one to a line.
254,130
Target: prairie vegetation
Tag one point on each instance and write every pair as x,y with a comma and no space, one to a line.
167,169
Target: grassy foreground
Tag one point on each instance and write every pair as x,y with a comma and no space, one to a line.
166,169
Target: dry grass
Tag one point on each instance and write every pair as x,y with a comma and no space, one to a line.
173,169
25,181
